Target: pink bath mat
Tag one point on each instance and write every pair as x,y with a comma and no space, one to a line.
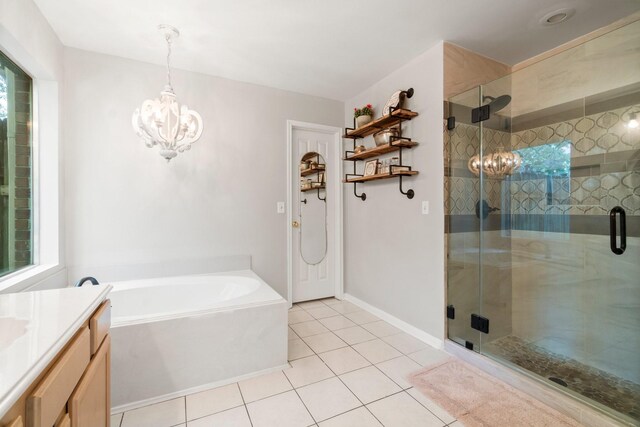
477,399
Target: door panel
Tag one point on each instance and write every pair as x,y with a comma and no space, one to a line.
312,279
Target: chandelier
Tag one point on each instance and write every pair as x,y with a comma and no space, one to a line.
497,165
163,121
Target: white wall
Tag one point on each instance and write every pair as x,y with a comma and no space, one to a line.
394,255
27,38
125,205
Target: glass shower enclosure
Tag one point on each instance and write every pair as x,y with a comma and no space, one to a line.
542,202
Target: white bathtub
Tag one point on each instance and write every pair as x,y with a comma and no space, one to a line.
177,335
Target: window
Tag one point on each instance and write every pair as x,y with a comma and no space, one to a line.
16,172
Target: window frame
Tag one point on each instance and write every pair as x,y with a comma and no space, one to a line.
47,269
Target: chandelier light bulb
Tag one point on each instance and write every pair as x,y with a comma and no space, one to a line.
164,121
633,121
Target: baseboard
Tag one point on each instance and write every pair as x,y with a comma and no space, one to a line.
181,393
400,324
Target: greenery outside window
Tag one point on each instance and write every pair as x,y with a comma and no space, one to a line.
16,168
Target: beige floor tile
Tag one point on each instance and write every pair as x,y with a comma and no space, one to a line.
116,419
299,317
306,329
343,360
324,342
369,384
331,301
456,423
360,417
263,386
311,304
322,312
354,335
336,322
281,410
236,417
429,356
381,329
328,398
306,371
376,351
295,307
298,349
401,410
361,317
292,335
211,401
164,414
431,406
399,369
345,307
405,343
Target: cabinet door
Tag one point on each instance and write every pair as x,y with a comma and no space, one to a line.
90,404
16,423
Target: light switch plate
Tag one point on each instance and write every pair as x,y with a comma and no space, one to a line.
280,207
425,207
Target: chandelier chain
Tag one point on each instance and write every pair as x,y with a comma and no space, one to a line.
168,38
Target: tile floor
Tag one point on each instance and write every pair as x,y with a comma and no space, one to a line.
347,369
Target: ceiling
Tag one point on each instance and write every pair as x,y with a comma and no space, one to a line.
329,48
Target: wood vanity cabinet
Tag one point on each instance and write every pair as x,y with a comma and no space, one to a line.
74,390
89,404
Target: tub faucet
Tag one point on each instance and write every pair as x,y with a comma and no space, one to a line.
93,281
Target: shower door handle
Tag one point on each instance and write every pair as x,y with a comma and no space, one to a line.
613,230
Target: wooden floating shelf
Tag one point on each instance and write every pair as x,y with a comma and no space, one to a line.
384,122
381,149
304,190
381,176
311,171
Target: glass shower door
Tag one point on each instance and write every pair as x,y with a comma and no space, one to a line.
546,257
560,261
462,226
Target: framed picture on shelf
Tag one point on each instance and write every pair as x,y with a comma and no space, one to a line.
371,168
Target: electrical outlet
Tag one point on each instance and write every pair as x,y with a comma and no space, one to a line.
280,207
425,207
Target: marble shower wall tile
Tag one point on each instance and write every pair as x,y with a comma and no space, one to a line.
573,296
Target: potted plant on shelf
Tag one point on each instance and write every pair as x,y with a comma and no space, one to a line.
363,115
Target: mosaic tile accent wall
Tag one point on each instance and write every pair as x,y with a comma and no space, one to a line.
461,187
604,170
605,166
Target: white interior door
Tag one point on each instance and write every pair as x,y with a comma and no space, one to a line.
313,237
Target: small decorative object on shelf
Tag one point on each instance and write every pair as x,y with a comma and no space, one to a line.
363,115
384,136
387,131
371,167
396,100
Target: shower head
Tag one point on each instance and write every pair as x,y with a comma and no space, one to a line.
498,103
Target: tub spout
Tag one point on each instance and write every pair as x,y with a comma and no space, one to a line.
93,281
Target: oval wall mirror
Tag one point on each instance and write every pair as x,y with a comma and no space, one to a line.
313,208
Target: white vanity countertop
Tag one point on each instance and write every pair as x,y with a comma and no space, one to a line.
34,327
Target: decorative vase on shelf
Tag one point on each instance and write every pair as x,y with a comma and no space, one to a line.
362,120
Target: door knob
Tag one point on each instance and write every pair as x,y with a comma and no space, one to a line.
295,224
